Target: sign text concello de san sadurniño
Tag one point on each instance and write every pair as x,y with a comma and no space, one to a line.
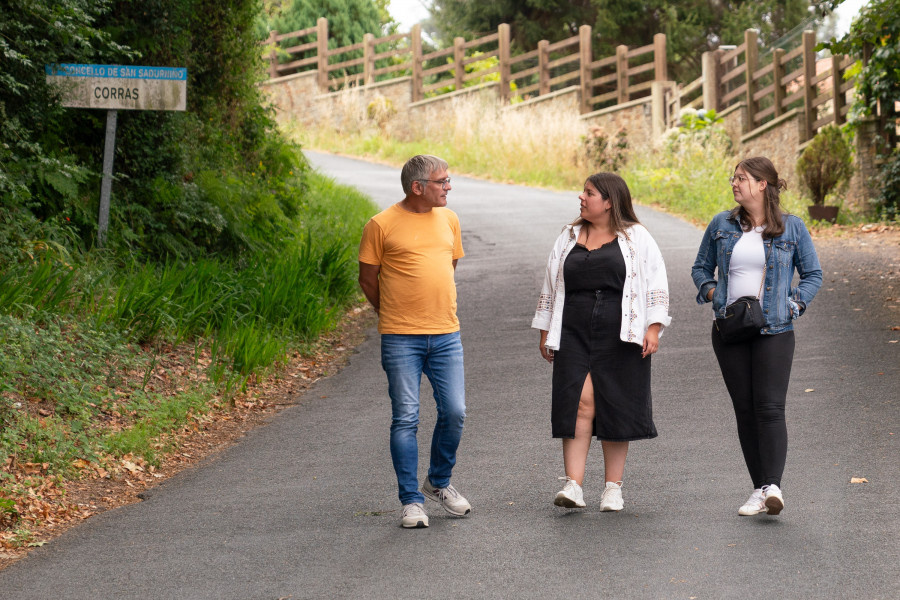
120,87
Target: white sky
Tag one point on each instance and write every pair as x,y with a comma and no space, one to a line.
410,12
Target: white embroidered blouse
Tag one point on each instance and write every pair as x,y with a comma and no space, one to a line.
645,299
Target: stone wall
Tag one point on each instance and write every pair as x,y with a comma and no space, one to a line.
632,117
779,141
389,104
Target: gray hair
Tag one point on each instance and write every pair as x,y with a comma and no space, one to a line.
420,168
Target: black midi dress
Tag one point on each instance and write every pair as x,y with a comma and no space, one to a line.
590,343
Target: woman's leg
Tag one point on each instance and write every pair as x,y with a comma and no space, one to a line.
614,454
575,450
736,366
772,358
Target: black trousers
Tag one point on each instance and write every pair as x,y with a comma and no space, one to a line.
756,373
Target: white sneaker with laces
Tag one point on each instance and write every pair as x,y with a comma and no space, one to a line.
571,496
452,501
774,499
611,498
413,516
754,505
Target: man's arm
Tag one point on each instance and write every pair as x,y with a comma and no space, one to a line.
368,281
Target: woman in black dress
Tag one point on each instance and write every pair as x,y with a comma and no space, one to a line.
602,309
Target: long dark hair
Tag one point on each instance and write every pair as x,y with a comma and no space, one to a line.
762,169
614,189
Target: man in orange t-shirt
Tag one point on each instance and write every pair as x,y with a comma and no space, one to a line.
407,260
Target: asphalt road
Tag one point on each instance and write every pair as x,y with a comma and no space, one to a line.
306,506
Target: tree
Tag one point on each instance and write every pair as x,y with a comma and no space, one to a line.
692,26
170,197
873,40
348,20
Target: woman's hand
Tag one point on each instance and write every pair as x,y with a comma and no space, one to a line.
709,294
651,340
546,352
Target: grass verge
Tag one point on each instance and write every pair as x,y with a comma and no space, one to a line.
103,368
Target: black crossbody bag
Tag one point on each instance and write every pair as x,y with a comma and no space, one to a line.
744,317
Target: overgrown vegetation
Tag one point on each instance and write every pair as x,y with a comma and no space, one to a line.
226,255
872,39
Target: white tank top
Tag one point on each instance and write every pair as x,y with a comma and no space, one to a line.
748,262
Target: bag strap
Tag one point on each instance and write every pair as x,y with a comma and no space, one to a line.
765,268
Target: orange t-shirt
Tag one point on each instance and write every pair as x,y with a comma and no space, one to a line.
417,290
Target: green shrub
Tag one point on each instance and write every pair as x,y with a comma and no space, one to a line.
888,201
826,164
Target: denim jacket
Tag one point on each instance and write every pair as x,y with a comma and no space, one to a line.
781,303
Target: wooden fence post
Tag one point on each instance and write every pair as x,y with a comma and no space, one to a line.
585,58
273,55
368,58
778,76
838,101
503,49
415,41
660,65
543,67
459,57
711,86
322,51
622,73
809,88
751,63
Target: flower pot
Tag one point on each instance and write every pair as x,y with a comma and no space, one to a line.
820,212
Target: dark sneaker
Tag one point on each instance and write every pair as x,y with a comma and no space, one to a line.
448,497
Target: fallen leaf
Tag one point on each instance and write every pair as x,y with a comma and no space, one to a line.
807,390
858,480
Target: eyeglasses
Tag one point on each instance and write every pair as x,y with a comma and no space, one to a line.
444,182
740,179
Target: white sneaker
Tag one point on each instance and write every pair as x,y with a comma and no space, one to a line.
413,516
452,501
611,498
571,496
754,505
774,500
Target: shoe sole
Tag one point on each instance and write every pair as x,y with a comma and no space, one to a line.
751,514
431,496
610,509
774,505
418,525
566,502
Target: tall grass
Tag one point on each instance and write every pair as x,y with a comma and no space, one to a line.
687,175
76,338
475,135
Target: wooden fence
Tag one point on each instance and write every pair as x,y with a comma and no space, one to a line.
768,86
779,82
627,75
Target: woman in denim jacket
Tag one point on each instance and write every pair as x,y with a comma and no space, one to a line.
602,309
756,248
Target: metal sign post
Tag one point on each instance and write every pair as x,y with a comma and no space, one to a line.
109,149
114,88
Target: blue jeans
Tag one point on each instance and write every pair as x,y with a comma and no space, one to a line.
404,359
